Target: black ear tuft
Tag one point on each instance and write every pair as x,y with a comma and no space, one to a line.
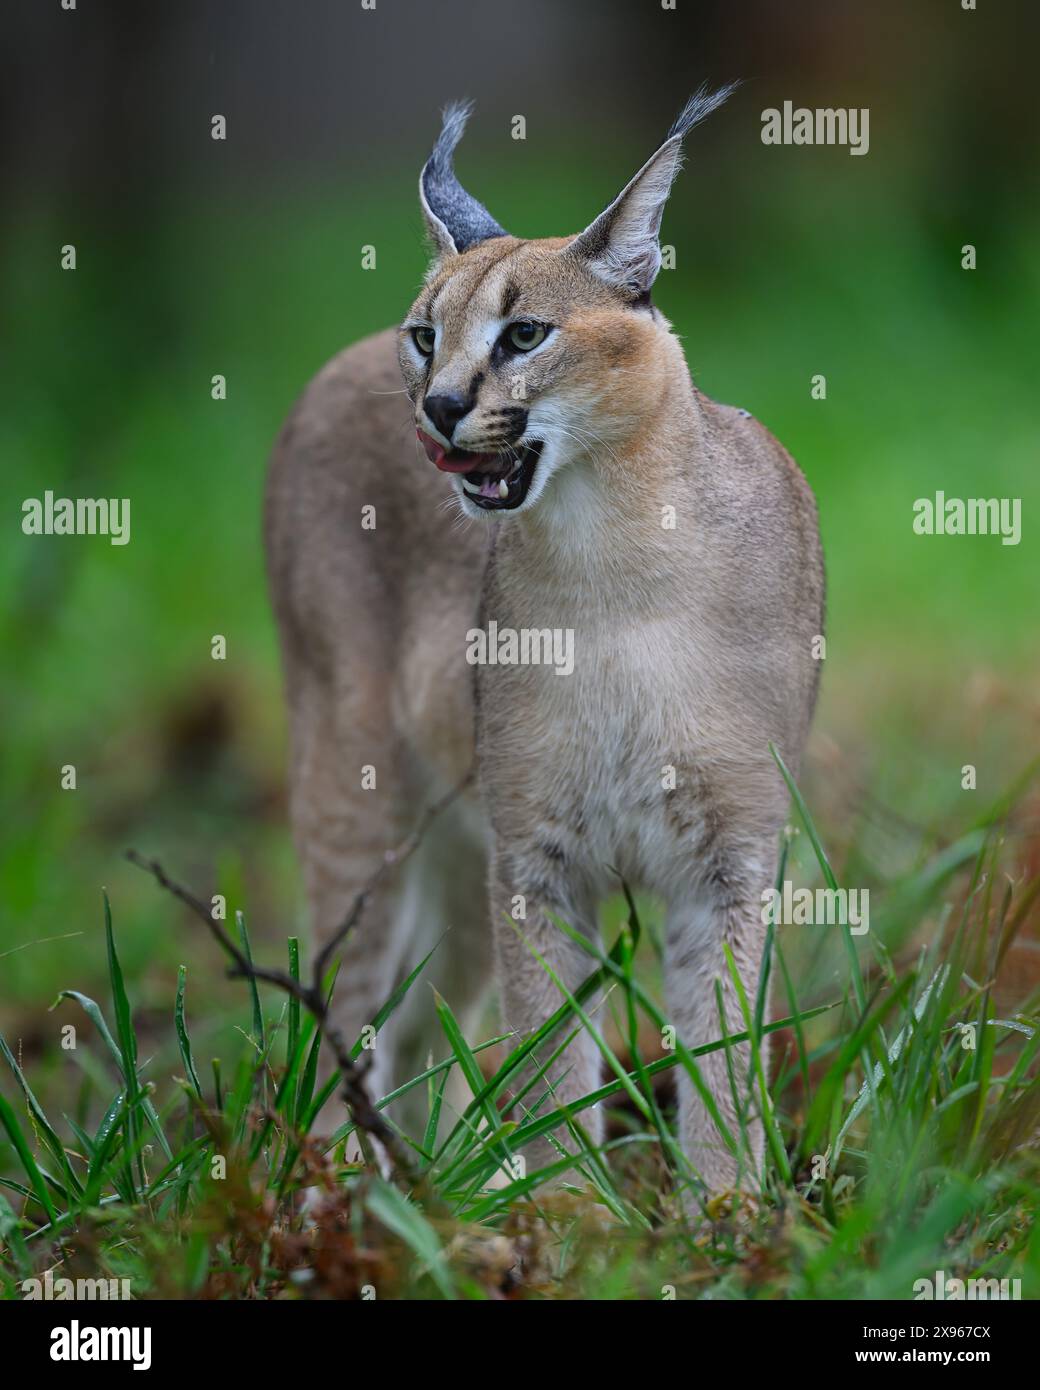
699,107
456,220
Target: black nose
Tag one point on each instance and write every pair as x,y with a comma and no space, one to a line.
447,410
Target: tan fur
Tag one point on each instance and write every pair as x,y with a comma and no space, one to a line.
693,650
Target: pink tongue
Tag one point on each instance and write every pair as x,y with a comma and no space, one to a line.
446,461
434,451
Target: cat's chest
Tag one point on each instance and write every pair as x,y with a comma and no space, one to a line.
592,744
613,683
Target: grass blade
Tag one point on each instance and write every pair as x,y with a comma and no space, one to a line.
183,1041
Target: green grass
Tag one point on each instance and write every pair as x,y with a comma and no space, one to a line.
894,1148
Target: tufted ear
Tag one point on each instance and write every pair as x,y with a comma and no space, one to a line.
621,246
454,220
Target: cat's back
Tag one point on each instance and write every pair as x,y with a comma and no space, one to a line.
373,578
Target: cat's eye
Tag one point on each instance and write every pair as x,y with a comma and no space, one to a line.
424,338
525,334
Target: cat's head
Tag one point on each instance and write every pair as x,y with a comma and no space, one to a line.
521,356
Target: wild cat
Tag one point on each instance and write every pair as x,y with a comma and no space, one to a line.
601,495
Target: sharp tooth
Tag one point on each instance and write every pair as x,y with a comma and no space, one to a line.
503,489
470,487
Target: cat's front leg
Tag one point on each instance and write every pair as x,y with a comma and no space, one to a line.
706,916
533,958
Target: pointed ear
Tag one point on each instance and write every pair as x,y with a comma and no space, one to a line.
454,220
621,247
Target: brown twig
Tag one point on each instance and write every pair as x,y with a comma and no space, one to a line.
312,996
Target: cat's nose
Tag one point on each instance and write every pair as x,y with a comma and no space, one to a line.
446,410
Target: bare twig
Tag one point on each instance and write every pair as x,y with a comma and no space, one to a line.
312,996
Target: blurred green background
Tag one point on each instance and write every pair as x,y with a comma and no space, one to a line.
243,257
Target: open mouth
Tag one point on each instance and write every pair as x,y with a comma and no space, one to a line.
494,482
499,482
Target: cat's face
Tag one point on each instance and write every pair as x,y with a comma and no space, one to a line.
522,356
518,359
